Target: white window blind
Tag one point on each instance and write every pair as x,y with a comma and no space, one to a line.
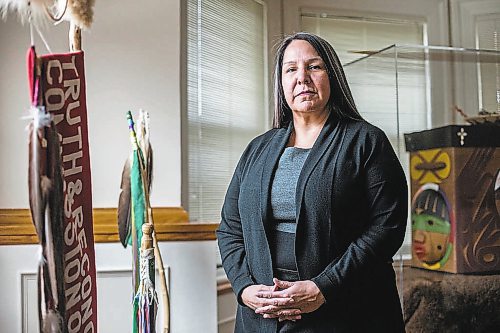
373,82
227,95
349,35
488,38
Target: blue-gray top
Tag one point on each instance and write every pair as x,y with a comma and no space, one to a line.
284,187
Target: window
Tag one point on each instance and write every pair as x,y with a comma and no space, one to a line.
227,102
488,38
373,82
352,36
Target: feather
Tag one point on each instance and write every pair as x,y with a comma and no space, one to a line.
35,193
81,12
145,145
124,218
52,322
46,205
55,221
37,9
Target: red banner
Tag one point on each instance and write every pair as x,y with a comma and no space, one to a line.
62,84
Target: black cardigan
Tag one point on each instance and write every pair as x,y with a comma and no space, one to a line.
351,201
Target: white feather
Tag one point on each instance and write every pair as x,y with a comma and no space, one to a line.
23,11
52,322
80,12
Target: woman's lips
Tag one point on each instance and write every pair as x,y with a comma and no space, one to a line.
305,93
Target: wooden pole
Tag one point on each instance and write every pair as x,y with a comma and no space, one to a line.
163,281
75,37
158,258
147,239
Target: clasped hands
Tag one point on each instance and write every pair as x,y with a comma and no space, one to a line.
284,300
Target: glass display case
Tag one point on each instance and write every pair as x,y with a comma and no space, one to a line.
404,89
445,102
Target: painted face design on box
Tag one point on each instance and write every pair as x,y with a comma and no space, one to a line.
431,227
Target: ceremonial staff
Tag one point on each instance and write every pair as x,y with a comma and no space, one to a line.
134,207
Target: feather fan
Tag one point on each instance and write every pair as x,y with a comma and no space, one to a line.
80,12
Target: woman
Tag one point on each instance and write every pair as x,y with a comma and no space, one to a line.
316,208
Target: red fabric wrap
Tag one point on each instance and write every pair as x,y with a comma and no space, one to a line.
62,92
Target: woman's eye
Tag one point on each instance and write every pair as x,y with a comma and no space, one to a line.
314,67
289,70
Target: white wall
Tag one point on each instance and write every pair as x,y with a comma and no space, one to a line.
226,312
192,287
132,61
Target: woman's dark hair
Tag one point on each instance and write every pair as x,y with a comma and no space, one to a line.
340,102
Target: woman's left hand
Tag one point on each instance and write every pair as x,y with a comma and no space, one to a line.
306,296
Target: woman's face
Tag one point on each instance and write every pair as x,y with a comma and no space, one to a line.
304,78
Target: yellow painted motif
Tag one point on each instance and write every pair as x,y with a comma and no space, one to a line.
430,166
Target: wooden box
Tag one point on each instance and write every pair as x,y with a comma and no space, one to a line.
455,192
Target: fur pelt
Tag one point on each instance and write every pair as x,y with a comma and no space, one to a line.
437,302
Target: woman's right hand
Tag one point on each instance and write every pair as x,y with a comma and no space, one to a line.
284,302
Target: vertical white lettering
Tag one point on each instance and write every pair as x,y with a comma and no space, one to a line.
74,169
85,260
54,99
69,233
74,138
74,296
78,216
71,106
72,271
89,328
70,65
86,287
54,64
73,88
87,309
82,239
73,252
75,318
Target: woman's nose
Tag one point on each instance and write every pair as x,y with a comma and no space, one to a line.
303,76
